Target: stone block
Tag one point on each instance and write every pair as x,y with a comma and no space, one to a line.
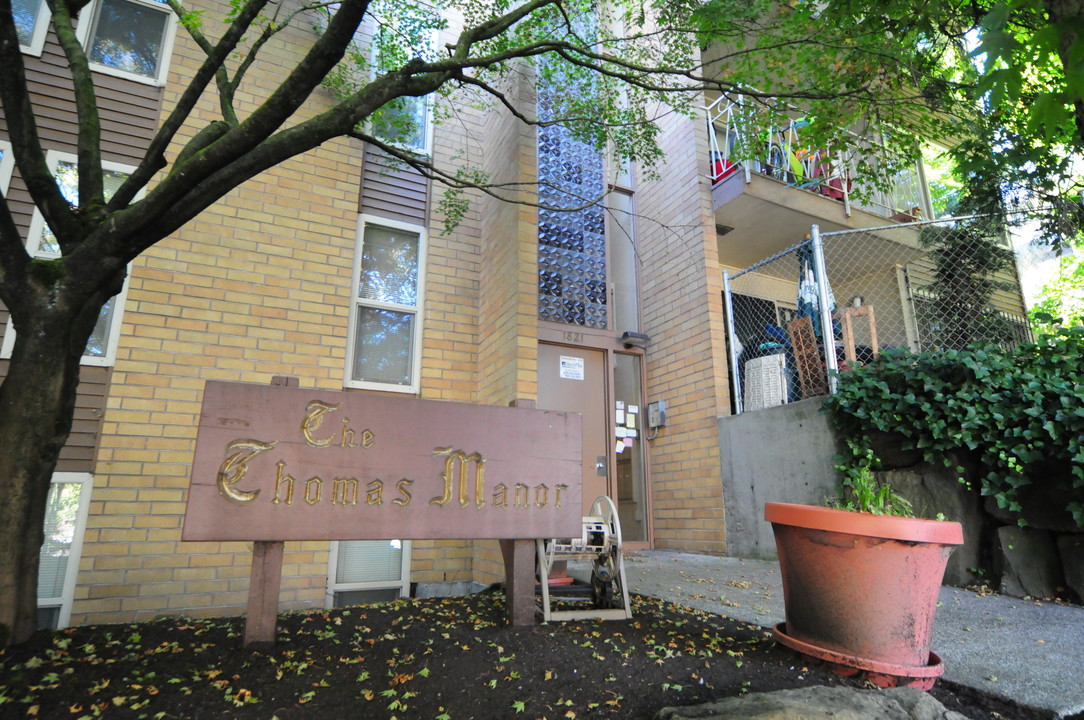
932,489
1044,507
1071,552
817,703
1030,566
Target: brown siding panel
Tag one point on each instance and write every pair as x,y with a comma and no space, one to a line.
78,455
129,114
129,109
390,192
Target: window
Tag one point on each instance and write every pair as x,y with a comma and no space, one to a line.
7,162
129,38
102,346
403,121
368,571
385,339
31,24
65,522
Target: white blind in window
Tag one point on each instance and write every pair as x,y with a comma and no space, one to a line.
60,517
369,561
389,266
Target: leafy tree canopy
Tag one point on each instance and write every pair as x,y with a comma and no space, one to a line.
1001,81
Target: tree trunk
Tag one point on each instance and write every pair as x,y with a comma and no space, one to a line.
37,402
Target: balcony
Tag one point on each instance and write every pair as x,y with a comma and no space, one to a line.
768,203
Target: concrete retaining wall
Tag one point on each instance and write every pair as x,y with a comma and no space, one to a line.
780,454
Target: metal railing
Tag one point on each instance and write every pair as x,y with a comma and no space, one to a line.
780,153
920,286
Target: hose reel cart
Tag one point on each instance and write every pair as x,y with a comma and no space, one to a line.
599,543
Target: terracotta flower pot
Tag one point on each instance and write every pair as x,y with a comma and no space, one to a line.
860,590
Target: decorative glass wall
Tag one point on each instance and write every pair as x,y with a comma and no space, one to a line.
572,287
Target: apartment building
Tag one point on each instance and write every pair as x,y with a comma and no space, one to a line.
334,268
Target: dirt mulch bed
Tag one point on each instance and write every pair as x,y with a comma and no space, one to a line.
432,659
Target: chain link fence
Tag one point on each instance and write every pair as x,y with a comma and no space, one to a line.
922,286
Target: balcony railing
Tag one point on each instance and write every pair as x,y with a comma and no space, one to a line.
781,154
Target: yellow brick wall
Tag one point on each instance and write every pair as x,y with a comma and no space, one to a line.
257,286
681,296
509,313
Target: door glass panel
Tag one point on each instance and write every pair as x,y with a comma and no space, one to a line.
623,264
629,462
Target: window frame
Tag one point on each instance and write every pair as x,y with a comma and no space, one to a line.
71,573
41,30
53,158
88,19
334,587
7,166
426,148
364,221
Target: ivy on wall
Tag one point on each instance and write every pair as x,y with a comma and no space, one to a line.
1018,412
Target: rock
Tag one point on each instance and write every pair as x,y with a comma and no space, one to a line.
1071,550
888,447
1044,507
933,489
815,703
1030,564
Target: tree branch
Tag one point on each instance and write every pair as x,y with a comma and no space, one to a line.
91,183
154,158
22,124
14,262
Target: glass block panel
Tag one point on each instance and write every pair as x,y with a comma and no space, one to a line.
572,245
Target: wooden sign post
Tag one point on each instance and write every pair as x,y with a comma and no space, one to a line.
276,463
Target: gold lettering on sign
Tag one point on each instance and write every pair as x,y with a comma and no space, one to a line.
541,495
314,418
348,435
344,491
314,488
374,494
458,458
560,489
402,486
500,496
235,466
279,480
521,496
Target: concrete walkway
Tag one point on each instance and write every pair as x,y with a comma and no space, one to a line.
1027,651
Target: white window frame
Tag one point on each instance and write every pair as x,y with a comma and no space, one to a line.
87,19
333,587
426,148
7,166
41,29
33,240
364,221
71,574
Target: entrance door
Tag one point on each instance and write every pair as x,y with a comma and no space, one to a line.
575,380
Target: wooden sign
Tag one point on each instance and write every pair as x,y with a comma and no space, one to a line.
279,463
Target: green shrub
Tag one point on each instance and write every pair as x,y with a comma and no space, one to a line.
1019,412
859,488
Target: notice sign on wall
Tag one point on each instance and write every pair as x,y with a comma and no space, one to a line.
286,463
571,367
